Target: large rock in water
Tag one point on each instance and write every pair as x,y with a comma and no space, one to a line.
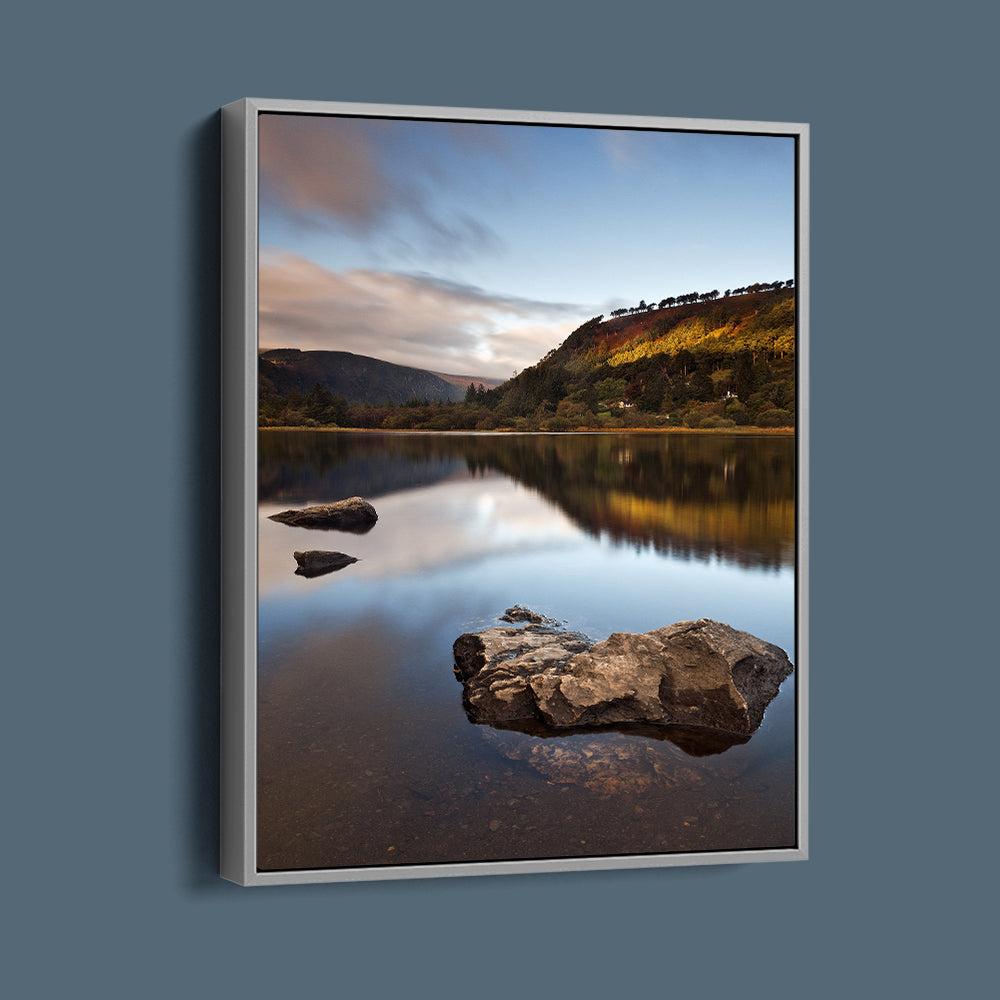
355,514
700,673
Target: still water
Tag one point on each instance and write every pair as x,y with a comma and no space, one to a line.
365,754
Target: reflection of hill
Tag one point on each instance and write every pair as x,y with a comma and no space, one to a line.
300,466
706,496
741,532
693,495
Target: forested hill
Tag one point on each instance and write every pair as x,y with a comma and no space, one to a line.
356,378
713,326
706,360
700,360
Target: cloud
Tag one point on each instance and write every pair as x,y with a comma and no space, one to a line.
632,151
313,172
620,148
376,180
408,319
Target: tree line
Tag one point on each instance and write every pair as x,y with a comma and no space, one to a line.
689,297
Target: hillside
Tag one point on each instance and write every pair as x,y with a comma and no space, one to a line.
697,361
717,361
356,378
761,321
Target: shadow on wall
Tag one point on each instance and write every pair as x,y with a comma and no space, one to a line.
202,277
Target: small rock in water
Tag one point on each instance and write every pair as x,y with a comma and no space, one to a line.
317,563
354,514
522,614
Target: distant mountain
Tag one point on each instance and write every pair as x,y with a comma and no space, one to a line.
360,380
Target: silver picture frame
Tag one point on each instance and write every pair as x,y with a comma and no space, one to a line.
239,599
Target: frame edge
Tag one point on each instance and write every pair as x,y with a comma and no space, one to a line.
238,462
238,841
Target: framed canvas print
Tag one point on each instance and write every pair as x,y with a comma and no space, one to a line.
514,492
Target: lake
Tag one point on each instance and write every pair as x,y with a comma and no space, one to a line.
365,753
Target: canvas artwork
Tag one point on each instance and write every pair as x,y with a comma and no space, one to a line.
514,536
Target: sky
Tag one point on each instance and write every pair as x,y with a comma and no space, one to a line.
474,249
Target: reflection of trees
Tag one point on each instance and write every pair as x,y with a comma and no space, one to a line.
693,495
303,466
706,496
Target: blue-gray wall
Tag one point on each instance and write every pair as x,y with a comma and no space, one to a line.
110,369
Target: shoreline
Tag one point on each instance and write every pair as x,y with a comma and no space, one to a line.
738,431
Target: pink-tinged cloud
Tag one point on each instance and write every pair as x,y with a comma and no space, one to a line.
313,172
360,176
407,319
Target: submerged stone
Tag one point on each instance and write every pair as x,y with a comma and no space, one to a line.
622,765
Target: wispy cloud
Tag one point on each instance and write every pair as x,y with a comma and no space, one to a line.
372,180
410,319
631,151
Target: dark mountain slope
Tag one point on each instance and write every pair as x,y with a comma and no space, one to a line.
359,379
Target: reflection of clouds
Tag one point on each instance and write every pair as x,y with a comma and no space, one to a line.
469,548
419,531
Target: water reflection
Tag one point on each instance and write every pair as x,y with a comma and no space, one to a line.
318,563
365,754
703,496
454,523
695,741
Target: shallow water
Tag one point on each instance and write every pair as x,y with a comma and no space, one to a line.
366,756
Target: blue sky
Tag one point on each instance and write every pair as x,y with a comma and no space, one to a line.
475,248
